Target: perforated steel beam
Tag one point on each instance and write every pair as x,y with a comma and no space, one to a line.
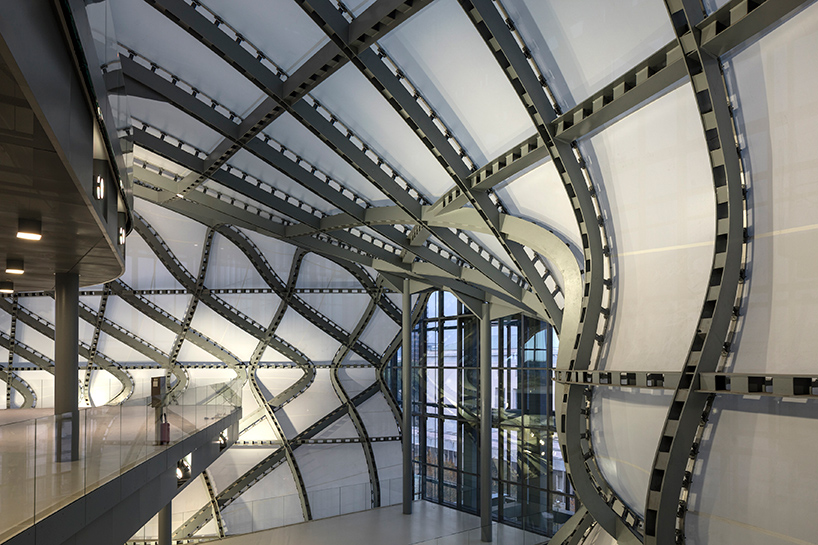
667,492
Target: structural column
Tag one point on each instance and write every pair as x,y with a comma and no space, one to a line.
66,355
165,515
485,423
406,395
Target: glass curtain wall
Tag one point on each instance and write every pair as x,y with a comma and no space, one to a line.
529,485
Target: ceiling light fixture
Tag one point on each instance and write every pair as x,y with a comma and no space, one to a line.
6,287
180,195
14,266
99,188
121,236
29,229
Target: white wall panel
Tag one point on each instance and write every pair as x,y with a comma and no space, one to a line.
354,381
275,381
320,272
356,102
582,46
223,332
126,316
598,536
658,192
155,36
36,340
539,195
753,480
103,387
345,309
342,429
230,268
336,478
251,164
278,253
626,424
170,119
42,382
310,406
378,418
272,502
234,463
380,331
314,343
444,56
143,271
183,236
259,306
778,120
279,28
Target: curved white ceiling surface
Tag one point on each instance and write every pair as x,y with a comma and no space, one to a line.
778,117
657,191
444,57
583,46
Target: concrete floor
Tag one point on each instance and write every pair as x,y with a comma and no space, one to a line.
429,524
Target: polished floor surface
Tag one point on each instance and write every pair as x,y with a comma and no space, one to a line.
429,524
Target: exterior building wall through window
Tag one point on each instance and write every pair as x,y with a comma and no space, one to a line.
530,488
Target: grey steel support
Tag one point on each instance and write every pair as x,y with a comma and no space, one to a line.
66,367
666,499
406,395
165,526
485,423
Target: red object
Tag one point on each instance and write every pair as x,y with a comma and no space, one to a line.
164,431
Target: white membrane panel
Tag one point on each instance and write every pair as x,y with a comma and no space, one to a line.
342,429
319,272
625,425
279,28
378,418
189,500
333,467
120,352
345,309
168,118
183,236
754,479
190,353
234,462
490,243
42,382
583,46
34,339
598,536
229,267
310,406
279,254
319,347
361,107
270,503
41,306
207,322
274,381
380,331
245,161
356,380
175,305
539,196
778,125
297,138
159,39
659,204
126,316
446,59
271,355
143,271
258,306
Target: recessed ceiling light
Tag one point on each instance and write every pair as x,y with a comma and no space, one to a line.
180,195
6,287
14,266
29,229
